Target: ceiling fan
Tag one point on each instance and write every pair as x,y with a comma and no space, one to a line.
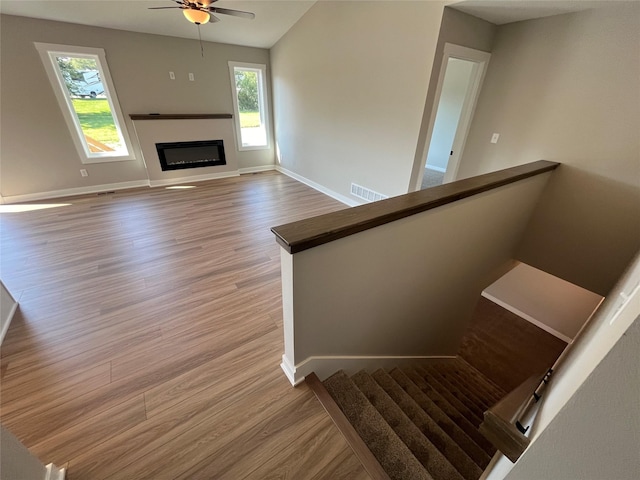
201,12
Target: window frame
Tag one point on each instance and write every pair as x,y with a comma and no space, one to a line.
261,69
48,52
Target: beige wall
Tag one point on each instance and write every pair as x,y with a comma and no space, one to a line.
565,89
349,83
588,420
418,295
459,29
37,152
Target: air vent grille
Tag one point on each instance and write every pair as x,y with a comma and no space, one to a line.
366,194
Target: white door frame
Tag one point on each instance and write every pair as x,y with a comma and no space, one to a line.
481,60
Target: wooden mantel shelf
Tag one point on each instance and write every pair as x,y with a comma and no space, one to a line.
178,116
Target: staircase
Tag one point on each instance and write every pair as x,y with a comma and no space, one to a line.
420,422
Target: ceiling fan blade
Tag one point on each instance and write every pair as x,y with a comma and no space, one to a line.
213,18
161,8
235,13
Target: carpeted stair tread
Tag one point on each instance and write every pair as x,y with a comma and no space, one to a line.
423,449
473,371
432,387
468,391
454,424
392,453
429,427
461,394
469,375
479,390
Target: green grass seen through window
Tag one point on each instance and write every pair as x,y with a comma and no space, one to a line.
249,119
96,120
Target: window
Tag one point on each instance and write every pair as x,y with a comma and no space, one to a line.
248,82
83,87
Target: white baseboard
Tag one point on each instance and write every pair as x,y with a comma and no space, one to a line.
316,186
260,168
436,169
326,366
72,192
54,473
194,178
528,318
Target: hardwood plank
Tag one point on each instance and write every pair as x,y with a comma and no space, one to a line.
63,446
345,466
299,460
149,333
260,438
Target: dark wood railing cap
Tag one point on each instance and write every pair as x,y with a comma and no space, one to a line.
178,116
304,234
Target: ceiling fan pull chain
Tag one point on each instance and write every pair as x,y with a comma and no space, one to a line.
200,38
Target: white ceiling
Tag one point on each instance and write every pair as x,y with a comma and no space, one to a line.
509,11
273,17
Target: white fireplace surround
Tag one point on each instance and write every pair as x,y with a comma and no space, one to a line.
150,132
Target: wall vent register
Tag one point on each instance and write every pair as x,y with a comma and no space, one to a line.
181,155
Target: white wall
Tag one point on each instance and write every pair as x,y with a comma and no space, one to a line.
565,89
553,304
37,153
418,294
454,90
17,463
349,85
7,308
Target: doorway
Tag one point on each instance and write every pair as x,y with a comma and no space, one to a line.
459,84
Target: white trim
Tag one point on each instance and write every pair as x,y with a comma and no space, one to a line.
435,169
341,198
54,473
12,312
326,366
528,318
481,59
72,192
263,100
290,371
260,168
193,178
47,53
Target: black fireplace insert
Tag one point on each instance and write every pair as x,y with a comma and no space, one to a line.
179,155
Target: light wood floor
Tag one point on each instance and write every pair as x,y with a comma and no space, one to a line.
149,337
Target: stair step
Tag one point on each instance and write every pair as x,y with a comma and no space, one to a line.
433,460
474,400
428,426
392,453
418,422
465,435
482,391
461,394
465,368
432,387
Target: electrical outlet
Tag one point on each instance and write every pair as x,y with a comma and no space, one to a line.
495,137
172,75
191,78
84,173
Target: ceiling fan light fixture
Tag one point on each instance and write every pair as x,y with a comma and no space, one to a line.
196,16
